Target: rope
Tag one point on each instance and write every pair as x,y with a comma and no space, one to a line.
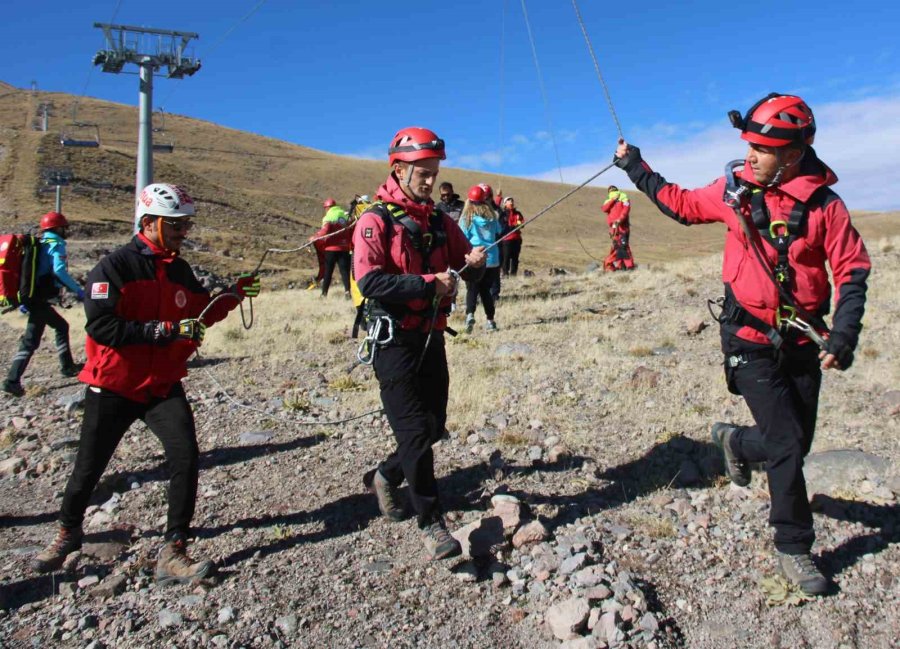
220,40
549,118
500,84
587,40
288,420
87,81
299,248
549,207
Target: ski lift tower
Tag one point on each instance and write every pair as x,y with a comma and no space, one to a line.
150,50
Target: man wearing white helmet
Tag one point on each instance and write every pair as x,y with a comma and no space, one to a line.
143,305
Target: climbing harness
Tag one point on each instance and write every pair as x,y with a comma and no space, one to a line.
780,234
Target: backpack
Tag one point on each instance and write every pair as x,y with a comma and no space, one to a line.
18,269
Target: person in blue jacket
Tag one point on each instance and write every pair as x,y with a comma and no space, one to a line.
479,223
52,274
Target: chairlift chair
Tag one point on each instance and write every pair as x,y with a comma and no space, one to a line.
80,134
166,145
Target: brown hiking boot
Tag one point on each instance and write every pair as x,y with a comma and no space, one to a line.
388,498
54,555
174,566
800,570
438,542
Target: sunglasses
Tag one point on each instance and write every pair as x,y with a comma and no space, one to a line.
180,225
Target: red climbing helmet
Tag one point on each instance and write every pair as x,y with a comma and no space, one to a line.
329,202
776,120
488,192
415,143
53,220
476,194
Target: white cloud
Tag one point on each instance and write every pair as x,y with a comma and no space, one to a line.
859,140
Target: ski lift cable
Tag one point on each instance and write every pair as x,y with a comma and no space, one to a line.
587,40
87,81
221,39
549,117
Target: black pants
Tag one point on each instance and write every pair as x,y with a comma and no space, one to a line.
342,259
511,250
107,417
40,316
784,399
483,288
415,402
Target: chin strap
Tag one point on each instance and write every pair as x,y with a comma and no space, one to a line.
782,167
159,229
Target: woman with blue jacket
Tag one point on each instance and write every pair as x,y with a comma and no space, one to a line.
479,223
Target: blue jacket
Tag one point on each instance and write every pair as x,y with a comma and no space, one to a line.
52,260
484,232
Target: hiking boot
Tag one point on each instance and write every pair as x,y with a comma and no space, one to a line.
800,570
14,389
54,555
71,370
347,295
438,541
174,566
470,322
388,497
490,325
738,471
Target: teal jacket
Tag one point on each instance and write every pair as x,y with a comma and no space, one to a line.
484,232
53,260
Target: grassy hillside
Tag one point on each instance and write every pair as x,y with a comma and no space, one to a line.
255,192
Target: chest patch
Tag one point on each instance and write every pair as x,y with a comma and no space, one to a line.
100,291
180,299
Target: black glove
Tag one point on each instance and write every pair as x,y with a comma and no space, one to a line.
841,346
632,156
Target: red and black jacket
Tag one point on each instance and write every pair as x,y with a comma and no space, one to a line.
827,236
134,285
389,270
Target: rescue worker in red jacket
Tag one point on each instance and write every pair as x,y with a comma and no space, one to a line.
143,306
403,248
784,224
511,247
618,210
336,245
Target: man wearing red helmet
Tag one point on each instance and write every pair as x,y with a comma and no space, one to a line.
784,223
335,248
403,252
52,273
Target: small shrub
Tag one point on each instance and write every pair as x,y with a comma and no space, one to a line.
640,351
345,384
871,352
296,403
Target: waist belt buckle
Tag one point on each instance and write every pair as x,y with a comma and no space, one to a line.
736,360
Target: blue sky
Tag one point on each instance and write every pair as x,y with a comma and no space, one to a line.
343,76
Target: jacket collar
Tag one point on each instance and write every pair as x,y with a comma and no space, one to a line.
390,192
813,175
146,247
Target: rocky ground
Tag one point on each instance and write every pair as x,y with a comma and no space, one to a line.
577,472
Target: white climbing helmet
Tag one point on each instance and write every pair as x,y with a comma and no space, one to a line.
165,200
